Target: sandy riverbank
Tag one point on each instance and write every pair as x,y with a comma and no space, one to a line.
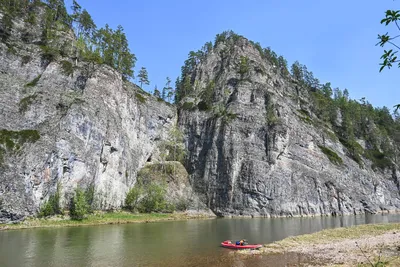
364,245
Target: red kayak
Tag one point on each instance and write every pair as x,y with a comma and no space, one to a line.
229,244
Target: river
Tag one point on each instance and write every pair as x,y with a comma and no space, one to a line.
173,243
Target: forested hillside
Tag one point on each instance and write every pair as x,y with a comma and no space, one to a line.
256,137
350,120
98,46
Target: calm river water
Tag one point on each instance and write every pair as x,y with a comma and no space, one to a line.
177,243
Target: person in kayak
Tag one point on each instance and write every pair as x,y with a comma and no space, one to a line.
242,242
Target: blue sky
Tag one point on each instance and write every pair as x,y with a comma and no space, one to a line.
334,39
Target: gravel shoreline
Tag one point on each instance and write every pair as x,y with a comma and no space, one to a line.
364,245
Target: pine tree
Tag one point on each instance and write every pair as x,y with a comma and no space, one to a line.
178,91
164,94
297,71
113,48
282,64
86,24
168,91
156,92
143,77
76,10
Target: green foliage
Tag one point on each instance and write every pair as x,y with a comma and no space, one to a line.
112,47
305,116
203,106
304,77
226,36
89,196
270,116
52,205
78,206
33,82
296,71
379,160
188,106
181,204
258,47
187,86
67,68
244,66
105,45
133,197
49,53
283,65
143,77
341,117
154,199
304,112
349,119
141,98
168,91
11,9
12,141
389,56
223,112
354,149
173,148
156,93
207,95
25,102
11,49
84,24
2,154
323,106
333,157
47,209
271,56
25,60
305,119
31,18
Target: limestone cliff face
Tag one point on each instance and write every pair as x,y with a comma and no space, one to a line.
255,152
94,129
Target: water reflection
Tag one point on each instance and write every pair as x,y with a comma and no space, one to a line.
185,243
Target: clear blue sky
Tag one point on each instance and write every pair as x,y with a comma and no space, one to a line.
335,39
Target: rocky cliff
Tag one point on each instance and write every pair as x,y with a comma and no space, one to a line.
69,125
259,149
254,145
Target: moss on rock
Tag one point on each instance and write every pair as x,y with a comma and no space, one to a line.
12,141
333,157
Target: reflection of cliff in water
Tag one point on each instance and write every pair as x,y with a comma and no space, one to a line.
177,243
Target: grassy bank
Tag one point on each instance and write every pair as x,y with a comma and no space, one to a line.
364,245
99,218
334,235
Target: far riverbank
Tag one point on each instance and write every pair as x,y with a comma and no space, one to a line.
101,218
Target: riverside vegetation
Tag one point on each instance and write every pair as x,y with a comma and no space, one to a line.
208,112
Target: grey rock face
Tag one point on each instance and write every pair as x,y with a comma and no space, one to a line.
94,130
256,154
